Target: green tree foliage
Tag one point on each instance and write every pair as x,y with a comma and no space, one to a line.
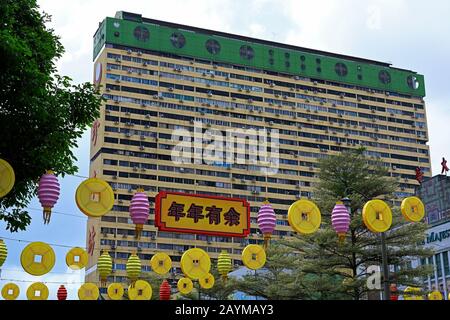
317,266
42,114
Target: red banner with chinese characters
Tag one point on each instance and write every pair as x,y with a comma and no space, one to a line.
202,214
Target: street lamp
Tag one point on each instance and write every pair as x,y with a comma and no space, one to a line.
347,202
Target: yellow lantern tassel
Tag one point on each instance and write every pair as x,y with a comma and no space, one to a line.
103,282
46,214
342,237
267,237
138,229
224,278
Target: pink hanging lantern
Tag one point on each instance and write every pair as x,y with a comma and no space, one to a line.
340,220
267,220
139,210
48,193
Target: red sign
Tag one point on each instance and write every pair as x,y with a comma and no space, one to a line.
202,214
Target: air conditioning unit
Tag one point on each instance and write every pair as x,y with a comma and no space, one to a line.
114,177
250,101
129,51
120,201
113,247
118,60
144,105
170,89
272,84
108,89
147,116
144,64
128,134
142,137
141,147
271,123
135,168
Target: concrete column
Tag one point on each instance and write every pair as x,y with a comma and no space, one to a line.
436,277
444,280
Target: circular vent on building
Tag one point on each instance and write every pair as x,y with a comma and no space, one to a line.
141,33
213,46
246,52
341,69
413,83
178,40
384,77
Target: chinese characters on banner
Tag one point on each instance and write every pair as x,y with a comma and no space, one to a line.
202,214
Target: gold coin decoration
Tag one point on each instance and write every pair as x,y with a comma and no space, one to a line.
195,263
304,217
161,263
115,291
413,209
254,256
37,258
76,258
140,291
94,197
88,291
10,291
206,282
185,285
7,178
377,216
37,291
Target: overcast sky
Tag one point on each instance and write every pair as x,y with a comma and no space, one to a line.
411,34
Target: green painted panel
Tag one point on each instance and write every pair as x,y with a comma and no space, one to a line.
318,66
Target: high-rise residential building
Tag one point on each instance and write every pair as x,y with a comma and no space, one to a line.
435,195
158,77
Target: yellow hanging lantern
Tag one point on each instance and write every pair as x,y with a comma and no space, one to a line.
133,268
37,291
412,293
10,291
161,263
224,265
88,291
3,253
104,267
115,291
